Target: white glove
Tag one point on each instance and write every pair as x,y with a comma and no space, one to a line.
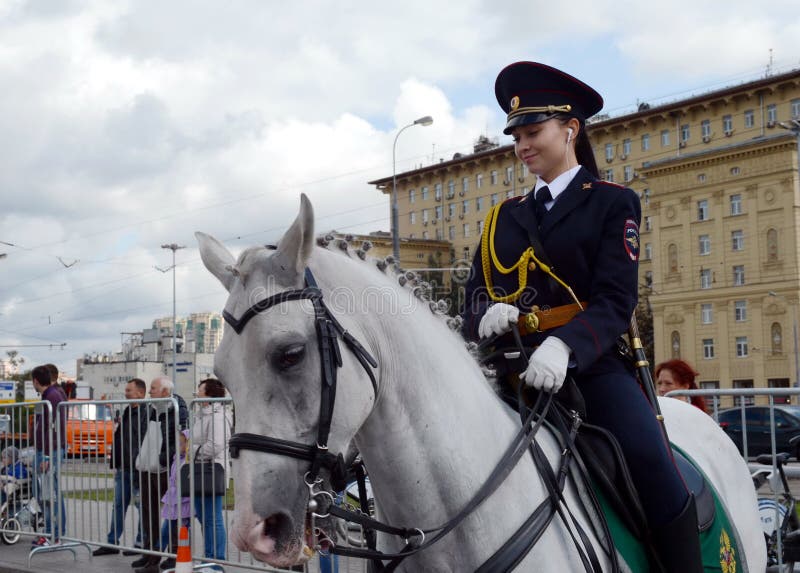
498,320
547,368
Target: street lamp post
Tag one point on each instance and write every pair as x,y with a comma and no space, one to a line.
794,335
427,120
173,247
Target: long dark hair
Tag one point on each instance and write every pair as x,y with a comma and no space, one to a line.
583,147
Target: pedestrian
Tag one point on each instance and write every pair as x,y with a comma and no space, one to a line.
13,473
177,510
128,435
48,439
677,374
212,429
153,463
571,248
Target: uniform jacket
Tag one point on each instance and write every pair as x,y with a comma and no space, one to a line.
128,436
591,237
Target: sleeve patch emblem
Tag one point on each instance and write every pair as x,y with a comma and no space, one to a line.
631,239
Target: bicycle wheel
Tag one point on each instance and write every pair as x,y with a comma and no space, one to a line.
11,531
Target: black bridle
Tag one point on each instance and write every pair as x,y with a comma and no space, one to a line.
328,332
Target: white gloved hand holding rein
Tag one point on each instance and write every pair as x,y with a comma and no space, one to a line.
498,319
547,367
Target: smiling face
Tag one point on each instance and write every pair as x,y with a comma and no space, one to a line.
543,146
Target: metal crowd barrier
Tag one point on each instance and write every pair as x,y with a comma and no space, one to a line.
87,488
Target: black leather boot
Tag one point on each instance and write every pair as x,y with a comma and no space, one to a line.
677,543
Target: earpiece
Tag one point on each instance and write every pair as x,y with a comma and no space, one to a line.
569,134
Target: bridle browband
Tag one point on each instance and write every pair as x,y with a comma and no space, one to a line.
328,332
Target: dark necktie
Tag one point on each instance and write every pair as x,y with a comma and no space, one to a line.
542,196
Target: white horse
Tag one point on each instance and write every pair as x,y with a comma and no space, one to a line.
429,435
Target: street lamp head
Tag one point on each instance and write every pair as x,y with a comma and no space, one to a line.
427,120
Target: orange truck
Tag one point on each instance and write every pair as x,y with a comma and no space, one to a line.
90,429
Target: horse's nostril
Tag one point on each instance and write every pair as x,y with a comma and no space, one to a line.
278,526
271,526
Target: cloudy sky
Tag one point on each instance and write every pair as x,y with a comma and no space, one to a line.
126,125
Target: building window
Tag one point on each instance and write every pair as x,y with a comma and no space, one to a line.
411,195
701,178
479,180
664,138
772,245
610,175
425,215
479,227
685,133
437,212
425,235
451,232
509,175
646,142
648,251
780,383
451,209
740,310
451,188
609,151
493,199
705,278
704,244
478,204
705,129
675,344
672,256
648,279
738,275
702,210
796,109
439,237
648,223
741,347
412,217
523,170
465,184
707,313
772,113
727,124
626,147
646,194
737,240
776,338
437,192
424,193
467,254
747,400
735,170
493,177
628,172
465,206
509,194
708,348
736,204
749,118
466,230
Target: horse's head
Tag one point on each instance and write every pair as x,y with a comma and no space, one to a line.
272,361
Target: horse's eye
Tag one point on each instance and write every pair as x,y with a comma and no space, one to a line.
289,356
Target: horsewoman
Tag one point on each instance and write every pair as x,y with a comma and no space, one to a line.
571,247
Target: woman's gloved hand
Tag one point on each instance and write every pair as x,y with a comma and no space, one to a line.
499,319
547,367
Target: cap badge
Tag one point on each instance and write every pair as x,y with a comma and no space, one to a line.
514,103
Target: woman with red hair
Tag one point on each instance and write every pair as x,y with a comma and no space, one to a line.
678,375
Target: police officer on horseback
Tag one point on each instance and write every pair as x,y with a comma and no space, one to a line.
561,265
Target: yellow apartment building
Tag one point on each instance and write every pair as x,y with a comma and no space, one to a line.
718,177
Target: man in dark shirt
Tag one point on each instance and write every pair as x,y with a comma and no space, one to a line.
128,436
49,440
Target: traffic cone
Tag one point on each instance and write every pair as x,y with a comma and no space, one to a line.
183,561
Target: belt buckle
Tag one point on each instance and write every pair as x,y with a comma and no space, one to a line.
532,320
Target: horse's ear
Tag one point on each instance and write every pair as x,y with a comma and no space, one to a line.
297,243
217,259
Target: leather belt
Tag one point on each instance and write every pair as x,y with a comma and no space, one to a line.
539,320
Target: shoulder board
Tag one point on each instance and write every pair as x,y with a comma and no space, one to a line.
601,182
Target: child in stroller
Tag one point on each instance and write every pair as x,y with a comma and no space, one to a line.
18,510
